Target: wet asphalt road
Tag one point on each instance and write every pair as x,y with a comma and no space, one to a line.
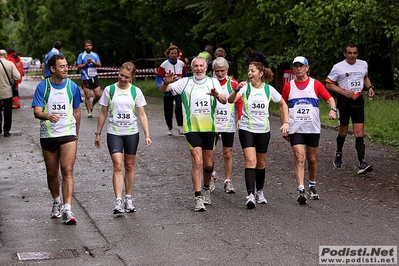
165,230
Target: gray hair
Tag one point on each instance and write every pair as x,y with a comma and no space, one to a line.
220,61
198,58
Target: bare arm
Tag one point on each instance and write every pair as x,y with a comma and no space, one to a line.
332,114
234,96
77,115
369,86
165,85
144,123
100,124
219,96
284,116
334,88
39,114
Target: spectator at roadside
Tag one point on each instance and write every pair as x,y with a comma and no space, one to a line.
16,59
255,56
8,74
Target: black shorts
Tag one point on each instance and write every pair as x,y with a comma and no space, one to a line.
123,144
357,115
311,140
205,140
260,141
227,139
53,144
91,84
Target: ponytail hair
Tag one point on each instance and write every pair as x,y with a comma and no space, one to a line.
267,72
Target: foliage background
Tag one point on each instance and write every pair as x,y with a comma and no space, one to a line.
124,30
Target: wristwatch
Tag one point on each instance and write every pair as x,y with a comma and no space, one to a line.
97,133
334,109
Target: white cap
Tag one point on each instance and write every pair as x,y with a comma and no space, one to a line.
300,59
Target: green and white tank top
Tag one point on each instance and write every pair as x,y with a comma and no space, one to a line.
225,113
59,102
255,117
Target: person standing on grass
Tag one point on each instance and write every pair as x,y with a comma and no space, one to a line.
178,68
56,104
302,96
199,96
119,103
348,79
254,131
87,63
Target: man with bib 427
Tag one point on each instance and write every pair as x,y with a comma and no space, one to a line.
56,104
347,79
302,96
87,62
199,95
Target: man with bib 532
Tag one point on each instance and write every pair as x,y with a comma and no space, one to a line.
347,79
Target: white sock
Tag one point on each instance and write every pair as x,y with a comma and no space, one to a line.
227,180
57,200
300,187
67,207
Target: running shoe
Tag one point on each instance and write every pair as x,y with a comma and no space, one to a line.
250,201
313,194
302,197
129,206
338,159
206,194
260,197
89,116
68,217
56,210
119,208
199,204
170,133
228,188
180,130
214,178
364,168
